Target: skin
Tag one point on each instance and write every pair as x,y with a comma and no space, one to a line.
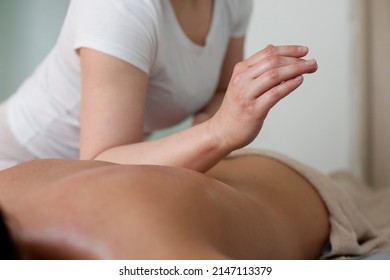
113,100
250,207
155,204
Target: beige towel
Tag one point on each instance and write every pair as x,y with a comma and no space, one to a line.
359,217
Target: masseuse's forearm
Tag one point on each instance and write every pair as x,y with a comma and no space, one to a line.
196,148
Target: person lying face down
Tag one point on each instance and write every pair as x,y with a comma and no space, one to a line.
246,207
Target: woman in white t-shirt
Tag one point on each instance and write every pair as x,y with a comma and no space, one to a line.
121,70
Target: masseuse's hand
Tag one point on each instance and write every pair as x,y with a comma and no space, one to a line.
257,84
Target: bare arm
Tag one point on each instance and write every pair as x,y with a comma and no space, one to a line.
114,99
112,109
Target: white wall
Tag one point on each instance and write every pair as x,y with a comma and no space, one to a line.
314,123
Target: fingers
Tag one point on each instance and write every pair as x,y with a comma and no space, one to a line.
276,76
269,60
270,98
270,63
269,75
270,50
245,75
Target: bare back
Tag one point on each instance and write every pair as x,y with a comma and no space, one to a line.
97,210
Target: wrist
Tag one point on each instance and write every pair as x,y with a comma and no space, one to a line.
217,137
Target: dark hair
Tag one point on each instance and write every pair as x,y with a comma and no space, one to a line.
8,250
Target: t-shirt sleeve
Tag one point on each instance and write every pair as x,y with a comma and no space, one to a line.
240,14
124,29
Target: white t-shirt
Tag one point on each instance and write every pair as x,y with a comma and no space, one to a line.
44,113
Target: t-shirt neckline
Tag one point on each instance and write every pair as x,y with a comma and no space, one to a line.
183,36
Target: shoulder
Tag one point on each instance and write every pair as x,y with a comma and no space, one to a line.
146,11
148,8
126,29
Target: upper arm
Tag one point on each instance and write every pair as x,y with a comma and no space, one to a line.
112,103
234,54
